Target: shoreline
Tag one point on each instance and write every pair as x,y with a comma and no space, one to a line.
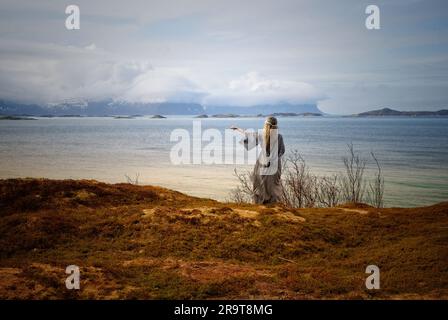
186,188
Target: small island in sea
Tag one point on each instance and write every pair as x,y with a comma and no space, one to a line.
16,118
386,112
293,114
124,117
227,115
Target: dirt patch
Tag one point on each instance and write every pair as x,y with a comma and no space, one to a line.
218,213
361,211
291,217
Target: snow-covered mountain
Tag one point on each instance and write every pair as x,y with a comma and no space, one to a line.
110,107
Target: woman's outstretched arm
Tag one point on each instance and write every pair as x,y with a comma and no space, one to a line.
250,138
238,129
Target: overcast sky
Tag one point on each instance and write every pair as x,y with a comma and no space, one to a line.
228,52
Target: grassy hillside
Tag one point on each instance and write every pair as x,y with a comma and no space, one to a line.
144,242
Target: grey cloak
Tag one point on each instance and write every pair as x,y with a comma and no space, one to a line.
268,167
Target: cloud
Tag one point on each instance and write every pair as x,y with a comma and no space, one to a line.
254,89
153,50
163,85
49,73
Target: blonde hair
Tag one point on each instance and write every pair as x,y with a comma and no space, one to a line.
269,124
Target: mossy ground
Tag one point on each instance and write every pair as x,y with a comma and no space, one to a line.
144,242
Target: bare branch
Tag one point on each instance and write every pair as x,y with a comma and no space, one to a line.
376,188
132,180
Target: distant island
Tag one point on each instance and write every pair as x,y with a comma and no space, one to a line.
15,118
230,115
275,114
10,110
158,116
292,114
386,112
264,109
124,117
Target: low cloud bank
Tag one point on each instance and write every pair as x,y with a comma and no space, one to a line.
48,74
255,89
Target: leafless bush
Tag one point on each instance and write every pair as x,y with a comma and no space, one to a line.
237,196
300,188
298,182
244,192
376,187
352,183
132,180
303,189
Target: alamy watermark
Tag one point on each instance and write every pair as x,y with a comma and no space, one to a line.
230,148
373,18
373,280
73,21
73,280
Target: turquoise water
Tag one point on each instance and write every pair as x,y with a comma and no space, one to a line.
413,151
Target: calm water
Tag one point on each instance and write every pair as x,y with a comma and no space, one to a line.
413,152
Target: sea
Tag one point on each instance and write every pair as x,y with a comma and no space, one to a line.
413,152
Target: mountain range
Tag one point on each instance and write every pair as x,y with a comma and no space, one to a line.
110,107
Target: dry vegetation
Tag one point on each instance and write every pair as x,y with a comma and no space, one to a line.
143,242
303,189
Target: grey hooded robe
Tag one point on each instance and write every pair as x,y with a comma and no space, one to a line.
268,168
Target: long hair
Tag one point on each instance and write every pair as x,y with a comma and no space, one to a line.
269,124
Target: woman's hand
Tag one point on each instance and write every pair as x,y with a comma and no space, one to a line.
237,129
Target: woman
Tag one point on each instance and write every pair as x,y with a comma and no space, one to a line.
268,168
